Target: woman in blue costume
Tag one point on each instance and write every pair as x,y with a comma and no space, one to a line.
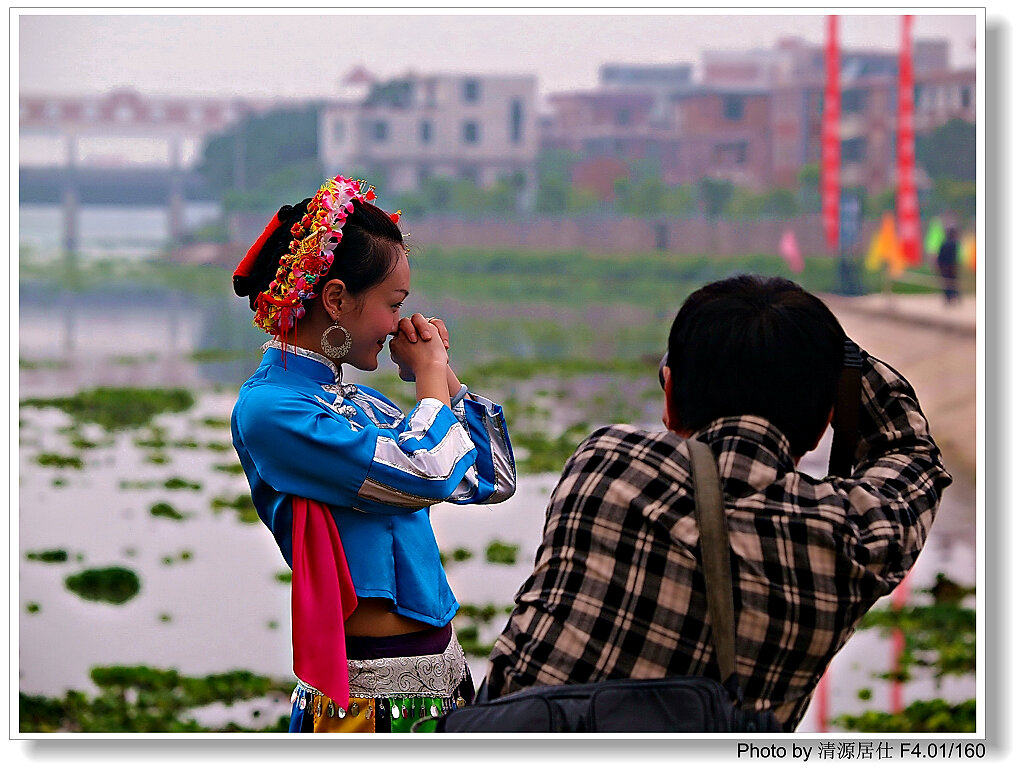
344,479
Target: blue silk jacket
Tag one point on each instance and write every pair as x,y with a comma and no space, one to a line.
298,432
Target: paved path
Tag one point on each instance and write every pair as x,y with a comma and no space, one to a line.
934,346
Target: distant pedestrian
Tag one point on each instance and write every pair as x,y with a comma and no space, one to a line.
947,264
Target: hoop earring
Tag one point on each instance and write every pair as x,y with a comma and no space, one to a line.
333,352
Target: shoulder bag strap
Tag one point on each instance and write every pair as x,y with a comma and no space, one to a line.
714,549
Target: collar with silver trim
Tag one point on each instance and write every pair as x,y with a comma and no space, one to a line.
303,352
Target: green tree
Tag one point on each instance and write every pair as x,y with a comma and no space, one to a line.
958,197
248,153
646,197
809,184
714,195
949,151
554,180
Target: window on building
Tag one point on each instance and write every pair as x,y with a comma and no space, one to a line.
338,131
965,97
854,101
470,132
732,107
124,113
471,91
470,173
380,131
854,150
622,116
731,153
426,131
515,119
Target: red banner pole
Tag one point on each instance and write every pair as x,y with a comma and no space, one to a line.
830,151
907,216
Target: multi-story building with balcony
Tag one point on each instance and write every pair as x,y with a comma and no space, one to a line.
755,117
476,127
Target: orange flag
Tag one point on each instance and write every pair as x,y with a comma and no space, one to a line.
886,248
790,251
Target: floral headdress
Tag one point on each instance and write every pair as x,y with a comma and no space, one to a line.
310,253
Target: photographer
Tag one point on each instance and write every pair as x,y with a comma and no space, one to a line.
618,591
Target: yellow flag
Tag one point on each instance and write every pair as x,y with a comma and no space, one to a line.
969,251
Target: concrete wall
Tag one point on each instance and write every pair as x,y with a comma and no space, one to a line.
607,235
597,234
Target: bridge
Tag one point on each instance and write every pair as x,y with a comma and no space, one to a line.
119,148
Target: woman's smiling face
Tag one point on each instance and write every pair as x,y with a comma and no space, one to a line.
374,315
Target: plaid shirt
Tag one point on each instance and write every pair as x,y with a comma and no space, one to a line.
617,589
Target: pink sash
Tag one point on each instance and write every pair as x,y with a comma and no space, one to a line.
323,596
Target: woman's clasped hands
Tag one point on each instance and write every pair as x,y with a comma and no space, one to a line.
418,345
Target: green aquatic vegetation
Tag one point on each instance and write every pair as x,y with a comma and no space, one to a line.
59,482
218,446
179,484
59,461
115,584
115,408
481,613
214,422
149,700
231,469
546,453
84,444
501,552
42,363
158,458
939,638
242,504
32,608
285,577
49,556
165,618
469,639
163,509
134,485
133,359
922,716
459,554
218,355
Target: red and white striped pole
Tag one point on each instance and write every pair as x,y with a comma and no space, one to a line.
830,148
908,221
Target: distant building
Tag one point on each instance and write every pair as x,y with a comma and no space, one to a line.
477,127
755,116
661,82
723,134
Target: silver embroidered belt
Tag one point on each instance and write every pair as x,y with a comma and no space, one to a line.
431,675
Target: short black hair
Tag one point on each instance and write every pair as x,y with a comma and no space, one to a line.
752,345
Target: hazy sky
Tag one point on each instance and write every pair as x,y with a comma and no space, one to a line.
268,53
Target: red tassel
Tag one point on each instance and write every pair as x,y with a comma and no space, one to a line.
323,596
